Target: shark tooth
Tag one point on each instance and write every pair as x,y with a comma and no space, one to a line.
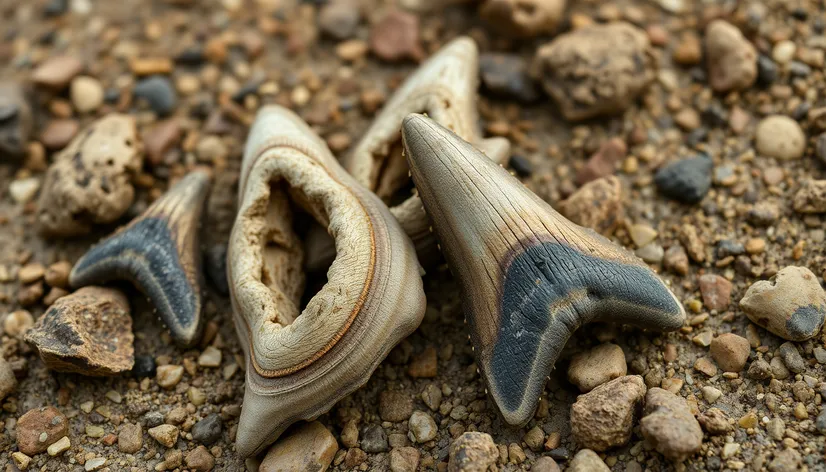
301,362
159,253
528,276
444,87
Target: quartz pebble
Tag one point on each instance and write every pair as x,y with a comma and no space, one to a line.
730,352
668,424
603,418
597,366
168,376
309,447
596,70
732,59
792,304
472,452
780,137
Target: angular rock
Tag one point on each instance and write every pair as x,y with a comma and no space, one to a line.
730,352
208,430
16,120
200,460
309,447
40,428
669,425
90,181
716,292
687,180
587,460
792,304
714,421
792,358
130,438
603,418
603,162
732,60
811,198
472,452
596,70
596,205
88,332
166,434
597,366
422,427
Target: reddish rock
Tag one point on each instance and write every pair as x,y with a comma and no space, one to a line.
57,72
424,365
596,205
716,292
603,162
59,133
40,428
161,139
396,36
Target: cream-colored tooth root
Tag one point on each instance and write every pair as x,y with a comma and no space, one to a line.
301,362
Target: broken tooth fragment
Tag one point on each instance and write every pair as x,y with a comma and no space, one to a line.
300,362
529,277
159,253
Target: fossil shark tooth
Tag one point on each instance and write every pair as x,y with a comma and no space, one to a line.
159,253
528,276
301,362
444,87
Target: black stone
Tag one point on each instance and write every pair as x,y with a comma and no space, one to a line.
801,111
715,116
687,180
250,88
208,430
144,366
158,93
506,76
193,56
521,165
216,267
766,71
560,454
800,13
374,439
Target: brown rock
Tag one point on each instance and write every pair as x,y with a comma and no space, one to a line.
90,182
597,366
160,139
811,198
603,418
57,274
166,434
8,381
523,18
309,447
689,51
732,60
200,460
714,421
676,260
56,72
40,428
596,70
472,452
404,459
587,460
669,425
424,365
716,292
603,162
59,133
395,406
88,332
130,438
730,352
596,205
396,37
692,243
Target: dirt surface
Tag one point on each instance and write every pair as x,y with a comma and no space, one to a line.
284,56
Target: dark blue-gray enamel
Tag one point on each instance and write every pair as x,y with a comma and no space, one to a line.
549,290
806,321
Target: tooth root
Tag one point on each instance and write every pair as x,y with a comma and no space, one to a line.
159,253
528,276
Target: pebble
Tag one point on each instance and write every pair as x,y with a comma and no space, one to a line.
676,260
820,355
432,396
732,59
792,358
395,406
783,51
597,366
8,382
404,459
811,198
88,332
730,352
339,19
786,460
40,428
145,66
778,369
57,274
603,418
86,93
669,426
587,460
200,460
16,121
716,292
158,93
545,464
396,37
58,133
472,452
144,366
23,191
687,180
59,447
21,460
166,434
424,365
506,76
791,305
603,162
422,427
56,72
130,438
160,139
780,137
714,421
17,323
596,55
651,253
208,430
374,439
759,370
168,376
711,394
641,234
706,366
94,464
309,447
211,357
523,19
596,205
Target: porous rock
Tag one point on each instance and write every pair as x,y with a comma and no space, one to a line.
732,60
596,205
472,452
669,425
603,418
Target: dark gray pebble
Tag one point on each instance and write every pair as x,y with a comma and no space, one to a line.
374,439
506,76
687,180
158,93
208,430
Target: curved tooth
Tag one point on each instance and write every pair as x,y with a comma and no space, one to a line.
299,365
159,253
444,87
529,277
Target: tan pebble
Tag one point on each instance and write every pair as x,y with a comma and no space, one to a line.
309,447
168,376
165,434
